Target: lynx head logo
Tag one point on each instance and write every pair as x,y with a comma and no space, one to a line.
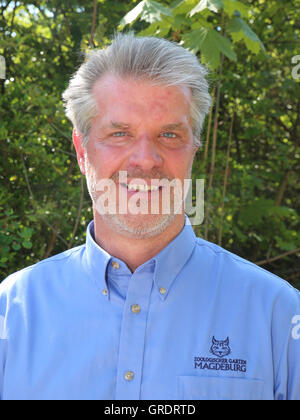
220,348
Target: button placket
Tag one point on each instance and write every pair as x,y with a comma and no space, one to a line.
134,323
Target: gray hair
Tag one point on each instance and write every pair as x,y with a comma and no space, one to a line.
158,60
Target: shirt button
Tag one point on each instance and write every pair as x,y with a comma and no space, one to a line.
162,290
104,292
136,309
129,376
115,265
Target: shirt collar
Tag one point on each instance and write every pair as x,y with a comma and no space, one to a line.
96,260
168,262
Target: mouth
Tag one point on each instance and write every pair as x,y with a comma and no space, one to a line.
144,188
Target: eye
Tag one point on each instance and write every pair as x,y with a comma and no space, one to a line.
120,134
169,135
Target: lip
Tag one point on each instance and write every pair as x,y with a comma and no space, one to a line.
140,192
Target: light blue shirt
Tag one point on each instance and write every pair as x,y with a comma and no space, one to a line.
195,322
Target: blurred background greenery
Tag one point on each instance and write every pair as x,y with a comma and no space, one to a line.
251,140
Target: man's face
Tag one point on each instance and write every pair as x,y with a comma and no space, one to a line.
146,131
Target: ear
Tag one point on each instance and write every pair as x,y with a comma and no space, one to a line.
196,148
80,151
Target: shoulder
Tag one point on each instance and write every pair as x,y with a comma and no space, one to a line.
238,272
41,272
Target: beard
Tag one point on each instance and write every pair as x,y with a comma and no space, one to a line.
136,225
138,229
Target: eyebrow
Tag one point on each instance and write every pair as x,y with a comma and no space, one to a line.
119,124
173,126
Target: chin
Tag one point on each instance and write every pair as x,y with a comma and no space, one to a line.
139,226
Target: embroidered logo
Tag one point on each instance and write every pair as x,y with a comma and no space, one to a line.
220,349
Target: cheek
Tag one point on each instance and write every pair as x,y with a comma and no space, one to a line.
180,163
103,161
90,172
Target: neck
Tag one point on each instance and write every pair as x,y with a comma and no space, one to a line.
134,251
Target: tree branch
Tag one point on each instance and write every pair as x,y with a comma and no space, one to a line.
61,132
55,230
285,254
65,152
225,180
279,122
51,242
27,179
94,19
56,223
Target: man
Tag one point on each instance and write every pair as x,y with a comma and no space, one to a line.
145,310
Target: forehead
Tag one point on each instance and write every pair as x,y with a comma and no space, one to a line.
135,97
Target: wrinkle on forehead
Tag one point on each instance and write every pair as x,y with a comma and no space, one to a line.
122,84
139,96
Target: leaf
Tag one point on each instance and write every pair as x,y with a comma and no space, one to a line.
222,43
239,234
284,245
240,30
8,212
152,11
147,10
213,5
210,43
151,30
27,244
177,3
26,233
183,6
16,247
233,6
131,16
254,213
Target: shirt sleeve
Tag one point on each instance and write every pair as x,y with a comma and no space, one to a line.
286,344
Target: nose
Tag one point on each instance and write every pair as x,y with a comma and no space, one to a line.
145,154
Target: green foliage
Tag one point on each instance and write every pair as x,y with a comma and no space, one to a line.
148,10
44,206
197,22
13,237
210,43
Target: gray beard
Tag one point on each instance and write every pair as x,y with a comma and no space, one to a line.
138,232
